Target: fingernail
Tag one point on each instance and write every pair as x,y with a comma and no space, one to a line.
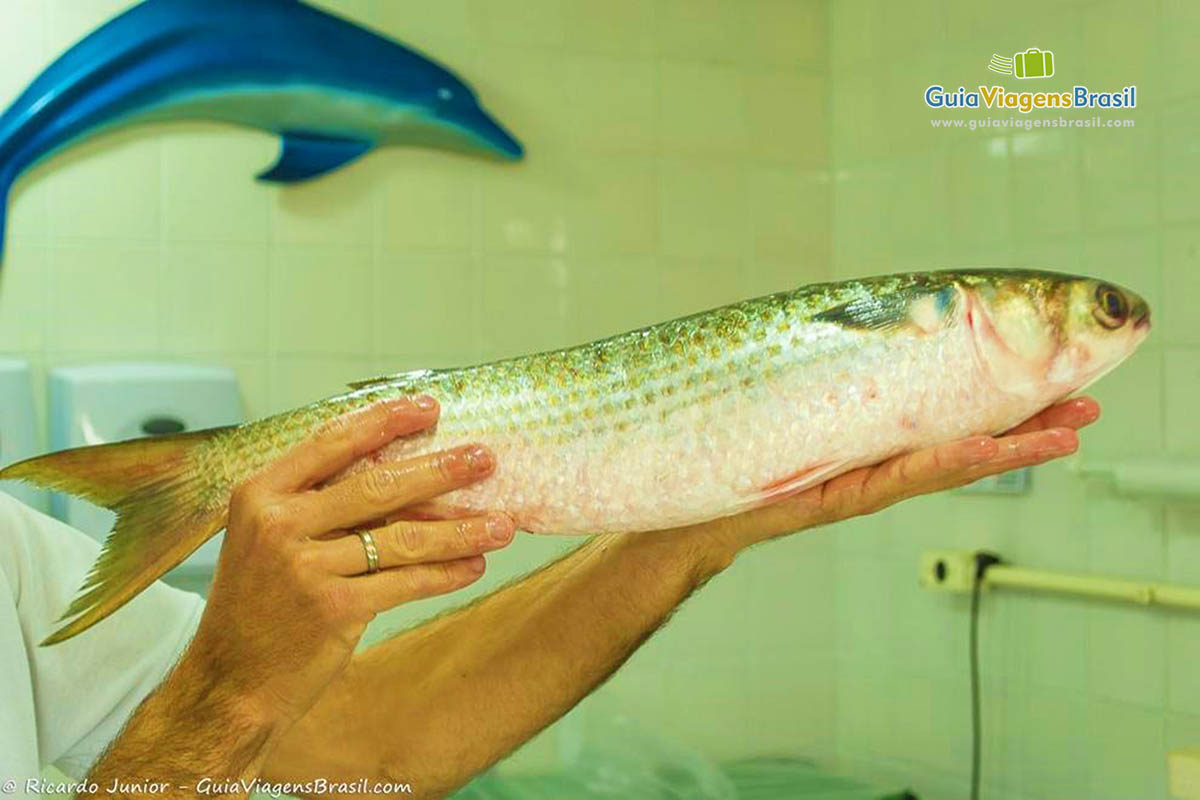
499,528
476,565
477,459
425,403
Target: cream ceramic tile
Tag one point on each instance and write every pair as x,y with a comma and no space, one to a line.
1046,184
335,209
1128,655
299,381
787,118
104,298
211,195
856,30
613,104
618,27
1179,58
29,209
524,211
108,189
859,116
1131,399
524,305
1125,756
913,26
24,302
1180,162
787,32
704,209
1125,536
1183,650
320,301
1120,177
526,88
609,295
1054,753
428,201
702,109
701,30
689,286
790,213
1182,385
23,41
612,206
215,298
536,23
918,204
425,305
1177,319
1122,45
980,183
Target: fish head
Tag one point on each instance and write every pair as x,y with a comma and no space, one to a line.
1045,335
456,107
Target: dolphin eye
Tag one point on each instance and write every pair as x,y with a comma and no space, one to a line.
1113,308
445,95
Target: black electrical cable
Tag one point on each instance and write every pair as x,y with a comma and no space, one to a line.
982,562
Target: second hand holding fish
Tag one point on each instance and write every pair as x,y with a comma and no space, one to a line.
1049,435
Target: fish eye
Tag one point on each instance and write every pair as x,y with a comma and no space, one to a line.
1113,308
445,95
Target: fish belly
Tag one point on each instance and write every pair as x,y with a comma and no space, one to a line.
728,443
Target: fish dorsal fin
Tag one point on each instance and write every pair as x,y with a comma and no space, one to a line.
399,377
309,155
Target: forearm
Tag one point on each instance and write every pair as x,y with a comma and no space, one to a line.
194,733
440,703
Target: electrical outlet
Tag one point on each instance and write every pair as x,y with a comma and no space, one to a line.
948,570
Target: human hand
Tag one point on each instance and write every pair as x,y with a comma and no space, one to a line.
1049,435
292,596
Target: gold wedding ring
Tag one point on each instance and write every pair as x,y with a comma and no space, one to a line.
372,552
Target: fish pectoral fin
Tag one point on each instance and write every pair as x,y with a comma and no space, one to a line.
308,155
793,484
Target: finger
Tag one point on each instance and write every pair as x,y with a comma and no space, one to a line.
340,442
963,462
413,542
1078,412
380,490
394,587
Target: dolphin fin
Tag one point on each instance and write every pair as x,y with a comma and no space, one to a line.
309,155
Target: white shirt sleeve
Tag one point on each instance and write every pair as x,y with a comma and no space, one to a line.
85,689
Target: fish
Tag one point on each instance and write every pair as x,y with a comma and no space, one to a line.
331,89
682,422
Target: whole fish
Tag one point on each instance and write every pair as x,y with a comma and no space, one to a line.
678,423
331,89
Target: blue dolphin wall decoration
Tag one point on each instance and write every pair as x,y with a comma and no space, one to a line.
331,89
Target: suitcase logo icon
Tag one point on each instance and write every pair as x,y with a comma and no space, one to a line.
1033,63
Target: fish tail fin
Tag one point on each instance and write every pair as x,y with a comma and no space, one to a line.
164,512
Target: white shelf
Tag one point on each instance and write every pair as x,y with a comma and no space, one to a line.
1168,478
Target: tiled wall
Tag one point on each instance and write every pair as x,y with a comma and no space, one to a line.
678,159
1080,699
